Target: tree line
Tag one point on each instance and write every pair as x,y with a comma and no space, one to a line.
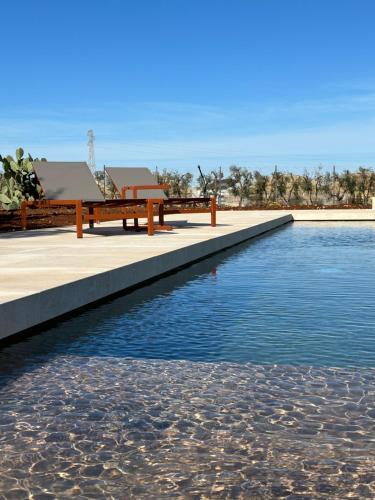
246,187
242,187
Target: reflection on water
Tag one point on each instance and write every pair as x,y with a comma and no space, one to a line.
247,375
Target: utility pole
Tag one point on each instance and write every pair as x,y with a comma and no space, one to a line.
104,181
90,143
219,200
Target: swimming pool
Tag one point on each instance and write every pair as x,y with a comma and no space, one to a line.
249,373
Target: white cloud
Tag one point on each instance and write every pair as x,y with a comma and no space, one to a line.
344,144
338,130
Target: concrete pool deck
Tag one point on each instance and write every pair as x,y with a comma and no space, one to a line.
47,273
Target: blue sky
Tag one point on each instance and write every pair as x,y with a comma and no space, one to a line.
175,83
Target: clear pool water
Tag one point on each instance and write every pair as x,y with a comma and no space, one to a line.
247,375
305,295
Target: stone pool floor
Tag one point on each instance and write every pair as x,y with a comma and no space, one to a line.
121,428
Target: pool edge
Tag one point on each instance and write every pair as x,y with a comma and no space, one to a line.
28,313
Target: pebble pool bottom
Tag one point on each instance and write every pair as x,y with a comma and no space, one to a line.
250,374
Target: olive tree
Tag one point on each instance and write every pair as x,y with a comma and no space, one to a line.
179,185
211,183
240,182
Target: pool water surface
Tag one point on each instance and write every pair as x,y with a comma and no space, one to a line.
247,375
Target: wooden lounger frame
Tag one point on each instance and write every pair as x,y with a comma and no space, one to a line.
173,205
137,209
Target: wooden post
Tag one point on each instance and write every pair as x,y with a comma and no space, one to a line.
136,224
79,219
97,215
150,217
24,215
213,211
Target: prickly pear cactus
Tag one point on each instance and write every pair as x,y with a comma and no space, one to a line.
18,182
10,195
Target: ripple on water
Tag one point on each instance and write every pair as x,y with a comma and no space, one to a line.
96,427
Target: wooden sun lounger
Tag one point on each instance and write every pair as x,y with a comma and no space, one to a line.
72,184
139,182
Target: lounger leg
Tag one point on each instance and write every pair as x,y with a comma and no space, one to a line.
91,222
161,214
213,211
150,217
24,215
124,224
79,219
136,225
161,226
